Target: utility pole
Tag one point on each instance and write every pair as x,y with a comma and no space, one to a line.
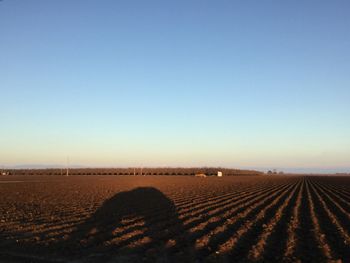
141,170
134,171
67,172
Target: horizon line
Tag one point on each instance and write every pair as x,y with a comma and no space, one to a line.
294,170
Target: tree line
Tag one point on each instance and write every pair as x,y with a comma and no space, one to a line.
170,171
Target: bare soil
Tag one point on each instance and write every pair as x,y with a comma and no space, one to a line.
174,219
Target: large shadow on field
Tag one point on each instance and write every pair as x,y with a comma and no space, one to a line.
133,226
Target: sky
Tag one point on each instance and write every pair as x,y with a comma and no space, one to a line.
242,84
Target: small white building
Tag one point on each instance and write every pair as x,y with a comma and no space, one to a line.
219,174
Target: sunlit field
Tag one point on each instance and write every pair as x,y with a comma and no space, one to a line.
174,219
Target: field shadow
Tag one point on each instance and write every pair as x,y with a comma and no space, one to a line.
132,226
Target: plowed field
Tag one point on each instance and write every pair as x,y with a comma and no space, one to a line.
174,219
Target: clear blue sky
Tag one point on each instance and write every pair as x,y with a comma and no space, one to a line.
259,84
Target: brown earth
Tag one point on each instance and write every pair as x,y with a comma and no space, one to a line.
174,219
